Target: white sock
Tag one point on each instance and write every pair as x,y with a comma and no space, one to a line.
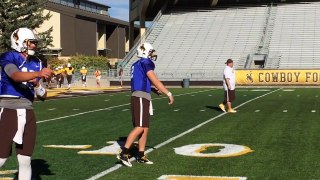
2,161
24,167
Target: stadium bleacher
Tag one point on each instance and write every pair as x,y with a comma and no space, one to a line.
295,36
195,43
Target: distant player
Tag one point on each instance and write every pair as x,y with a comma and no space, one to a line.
56,75
83,73
69,71
229,85
20,75
97,73
142,76
121,76
60,76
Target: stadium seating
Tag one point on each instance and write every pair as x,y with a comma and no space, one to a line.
295,37
195,43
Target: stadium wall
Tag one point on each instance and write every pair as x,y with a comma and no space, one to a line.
278,77
176,83
261,77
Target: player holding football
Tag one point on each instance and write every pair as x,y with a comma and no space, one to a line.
20,75
142,76
229,85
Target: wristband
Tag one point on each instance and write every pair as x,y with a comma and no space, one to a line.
169,94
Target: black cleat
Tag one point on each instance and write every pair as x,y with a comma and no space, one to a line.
144,160
124,158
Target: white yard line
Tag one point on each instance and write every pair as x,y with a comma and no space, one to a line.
78,96
108,108
116,167
78,114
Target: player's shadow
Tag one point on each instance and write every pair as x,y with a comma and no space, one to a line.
39,167
213,107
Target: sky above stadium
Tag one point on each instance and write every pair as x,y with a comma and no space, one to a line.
119,8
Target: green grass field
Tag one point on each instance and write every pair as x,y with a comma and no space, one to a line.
281,126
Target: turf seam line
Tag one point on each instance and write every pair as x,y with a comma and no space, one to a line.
92,111
118,166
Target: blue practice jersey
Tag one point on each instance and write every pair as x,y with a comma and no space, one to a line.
10,88
139,78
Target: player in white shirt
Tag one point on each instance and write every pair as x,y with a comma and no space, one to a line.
229,85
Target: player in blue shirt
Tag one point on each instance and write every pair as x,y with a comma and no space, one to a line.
142,77
20,75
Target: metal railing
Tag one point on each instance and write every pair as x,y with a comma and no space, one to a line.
142,39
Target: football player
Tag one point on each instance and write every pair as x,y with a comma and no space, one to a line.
142,76
20,75
69,71
83,73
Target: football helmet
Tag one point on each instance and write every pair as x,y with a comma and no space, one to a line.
19,39
146,50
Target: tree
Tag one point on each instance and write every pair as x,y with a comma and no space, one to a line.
27,13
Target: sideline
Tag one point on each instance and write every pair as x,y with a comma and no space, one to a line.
108,108
118,166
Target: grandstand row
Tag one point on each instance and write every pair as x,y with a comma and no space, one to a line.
194,42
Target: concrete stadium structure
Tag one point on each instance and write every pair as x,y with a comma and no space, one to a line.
194,38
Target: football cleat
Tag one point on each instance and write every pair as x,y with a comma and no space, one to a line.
232,111
144,160
221,106
124,158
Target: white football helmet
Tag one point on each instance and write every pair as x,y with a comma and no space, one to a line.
68,65
19,37
145,50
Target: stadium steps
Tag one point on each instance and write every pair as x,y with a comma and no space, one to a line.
296,36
